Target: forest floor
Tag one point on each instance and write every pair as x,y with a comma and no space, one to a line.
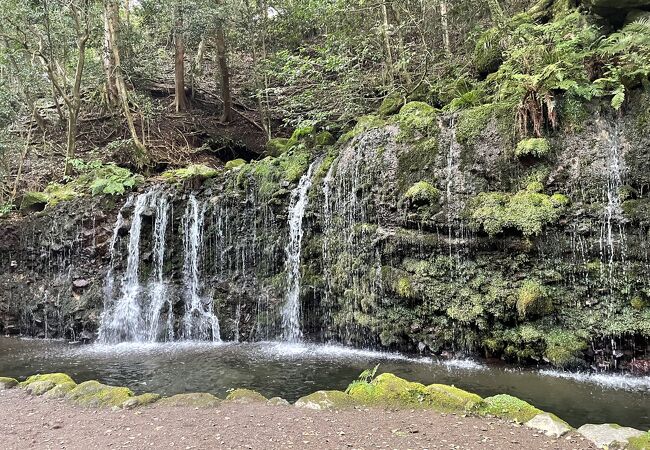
35,422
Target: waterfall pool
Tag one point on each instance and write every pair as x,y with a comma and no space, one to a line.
294,370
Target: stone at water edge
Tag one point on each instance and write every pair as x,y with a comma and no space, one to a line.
140,400
94,394
194,400
609,435
60,390
245,396
325,400
277,401
549,424
7,383
40,387
56,378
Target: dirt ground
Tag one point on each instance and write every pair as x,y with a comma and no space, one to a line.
36,423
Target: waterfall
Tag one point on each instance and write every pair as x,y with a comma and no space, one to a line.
199,321
158,292
291,312
122,319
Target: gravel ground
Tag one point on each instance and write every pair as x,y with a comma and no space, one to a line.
37,423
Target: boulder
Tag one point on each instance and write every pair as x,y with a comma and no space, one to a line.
639,442
56,378
95,395
277,401
326,400
7,383
609,435
195,400
140,400
39,387
509,407
245,396
549,424
60,390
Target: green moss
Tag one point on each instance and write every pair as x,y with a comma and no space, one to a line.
140,400
235,164
473,122
34,200
637,302
391,104
639,442
638,210
533,300
564,348
392,391
60,390
326,400
403,287
39,387
276,147
95,394
422,193
324,138
527,211
245,396
196,400
536,147
508,407
56,378
194,171
417,118
7,383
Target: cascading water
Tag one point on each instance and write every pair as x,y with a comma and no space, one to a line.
291,312
199,321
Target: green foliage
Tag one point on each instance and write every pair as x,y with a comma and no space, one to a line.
536,147
6,208
533,300
527,211
113,180
564,348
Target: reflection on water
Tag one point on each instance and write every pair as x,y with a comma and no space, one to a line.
293,370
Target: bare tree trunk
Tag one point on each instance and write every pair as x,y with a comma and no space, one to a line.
197,66
226,96
389,52
444,21
180,102
112,9
109,66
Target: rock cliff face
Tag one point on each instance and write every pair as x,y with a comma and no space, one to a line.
422,232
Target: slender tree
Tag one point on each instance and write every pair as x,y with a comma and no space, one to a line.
181,102
226,95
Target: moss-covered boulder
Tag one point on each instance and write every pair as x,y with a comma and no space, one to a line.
326,400
56,378
641,442
422,193
7,383
392,391
34,201
610,435
60,390
417,118
194,400
245,396
276,146
39,387
235,164
95,394
140,400
391,104
509,407
191,172
535,147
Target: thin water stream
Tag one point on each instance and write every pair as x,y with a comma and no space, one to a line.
294,370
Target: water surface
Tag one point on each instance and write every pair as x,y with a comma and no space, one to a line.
293,370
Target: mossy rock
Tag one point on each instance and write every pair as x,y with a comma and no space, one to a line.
509,407
549,424
194,400
7,383
39,387
235,164
391,104
95,394
639,442
535,147
326,400
276,146
56,378
140,400
422,193
194,171
60,390
34,201
451,398
417,117
324,138
611,435
245,396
